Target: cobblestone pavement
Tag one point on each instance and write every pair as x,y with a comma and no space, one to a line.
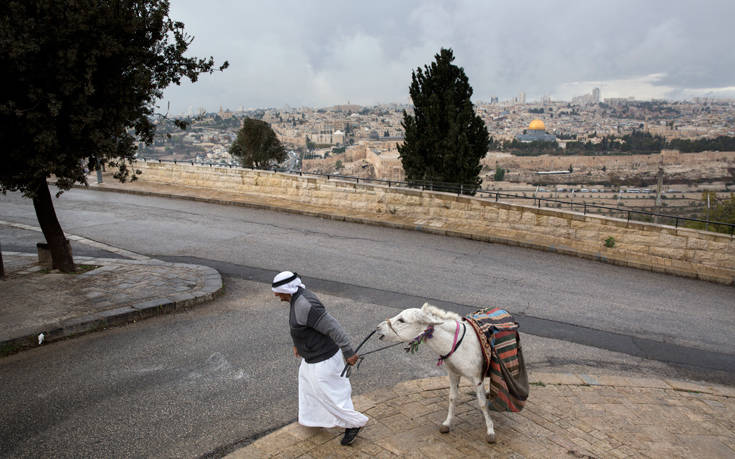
566,415
112,292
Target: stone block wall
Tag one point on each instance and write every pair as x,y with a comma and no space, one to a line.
684,252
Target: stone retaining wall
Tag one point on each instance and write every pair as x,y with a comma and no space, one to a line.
683,252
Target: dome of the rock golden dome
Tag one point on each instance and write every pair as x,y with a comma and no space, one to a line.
537,125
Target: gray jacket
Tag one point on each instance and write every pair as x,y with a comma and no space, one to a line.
315,333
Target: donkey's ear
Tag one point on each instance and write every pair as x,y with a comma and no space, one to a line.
429,314
428,318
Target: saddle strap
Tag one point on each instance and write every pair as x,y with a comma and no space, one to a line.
517,385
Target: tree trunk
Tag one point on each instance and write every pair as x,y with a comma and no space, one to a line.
57,243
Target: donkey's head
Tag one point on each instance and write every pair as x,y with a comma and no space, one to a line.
410,323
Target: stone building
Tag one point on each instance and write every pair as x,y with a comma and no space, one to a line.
536,132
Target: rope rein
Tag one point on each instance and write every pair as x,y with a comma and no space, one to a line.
347,370
413,345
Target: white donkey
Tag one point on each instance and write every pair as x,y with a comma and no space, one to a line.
462,360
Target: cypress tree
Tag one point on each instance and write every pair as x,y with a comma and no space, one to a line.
445,140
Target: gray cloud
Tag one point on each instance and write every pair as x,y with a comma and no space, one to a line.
328,52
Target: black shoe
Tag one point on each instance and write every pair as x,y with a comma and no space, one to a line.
350,435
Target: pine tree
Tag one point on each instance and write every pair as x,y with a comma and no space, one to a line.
445,140
81,80
257,145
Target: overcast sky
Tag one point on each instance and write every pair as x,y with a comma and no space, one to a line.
321,53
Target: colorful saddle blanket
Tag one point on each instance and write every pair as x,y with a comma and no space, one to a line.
503,359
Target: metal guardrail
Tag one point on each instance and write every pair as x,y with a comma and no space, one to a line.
459,189
627,213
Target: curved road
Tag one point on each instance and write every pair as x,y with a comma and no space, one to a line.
618,300
208,380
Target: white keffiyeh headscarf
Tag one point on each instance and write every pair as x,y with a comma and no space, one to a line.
287,282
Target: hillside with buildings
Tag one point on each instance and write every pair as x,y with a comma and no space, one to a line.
358,141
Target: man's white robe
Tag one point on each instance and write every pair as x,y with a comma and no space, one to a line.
325,398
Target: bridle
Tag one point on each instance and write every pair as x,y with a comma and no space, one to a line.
413,345
428,333
390,325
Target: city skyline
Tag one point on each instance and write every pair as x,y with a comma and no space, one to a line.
328,53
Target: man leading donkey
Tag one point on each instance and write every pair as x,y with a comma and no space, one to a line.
325,398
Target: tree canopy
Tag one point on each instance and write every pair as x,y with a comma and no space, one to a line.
723,211
81,78
635,143
257,145
445,140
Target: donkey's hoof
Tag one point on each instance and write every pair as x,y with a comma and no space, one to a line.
490,438
444,429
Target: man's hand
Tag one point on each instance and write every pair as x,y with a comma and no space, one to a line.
353,360
296,352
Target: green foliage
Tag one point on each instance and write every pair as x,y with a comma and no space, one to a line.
309,144
444,138
642,143
81,80
231,122
499,174
338,165
635,143
256,145
723,210
721,143
610,242
536,148
9,348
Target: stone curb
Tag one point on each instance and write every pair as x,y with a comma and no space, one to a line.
77,326
376,220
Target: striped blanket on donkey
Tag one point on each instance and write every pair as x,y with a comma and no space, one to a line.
503,358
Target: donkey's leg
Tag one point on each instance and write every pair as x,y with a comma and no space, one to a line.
482,400
453,390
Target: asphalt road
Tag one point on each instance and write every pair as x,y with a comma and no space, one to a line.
561,288
206,381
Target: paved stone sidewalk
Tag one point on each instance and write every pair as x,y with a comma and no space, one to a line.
566,415
114,292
